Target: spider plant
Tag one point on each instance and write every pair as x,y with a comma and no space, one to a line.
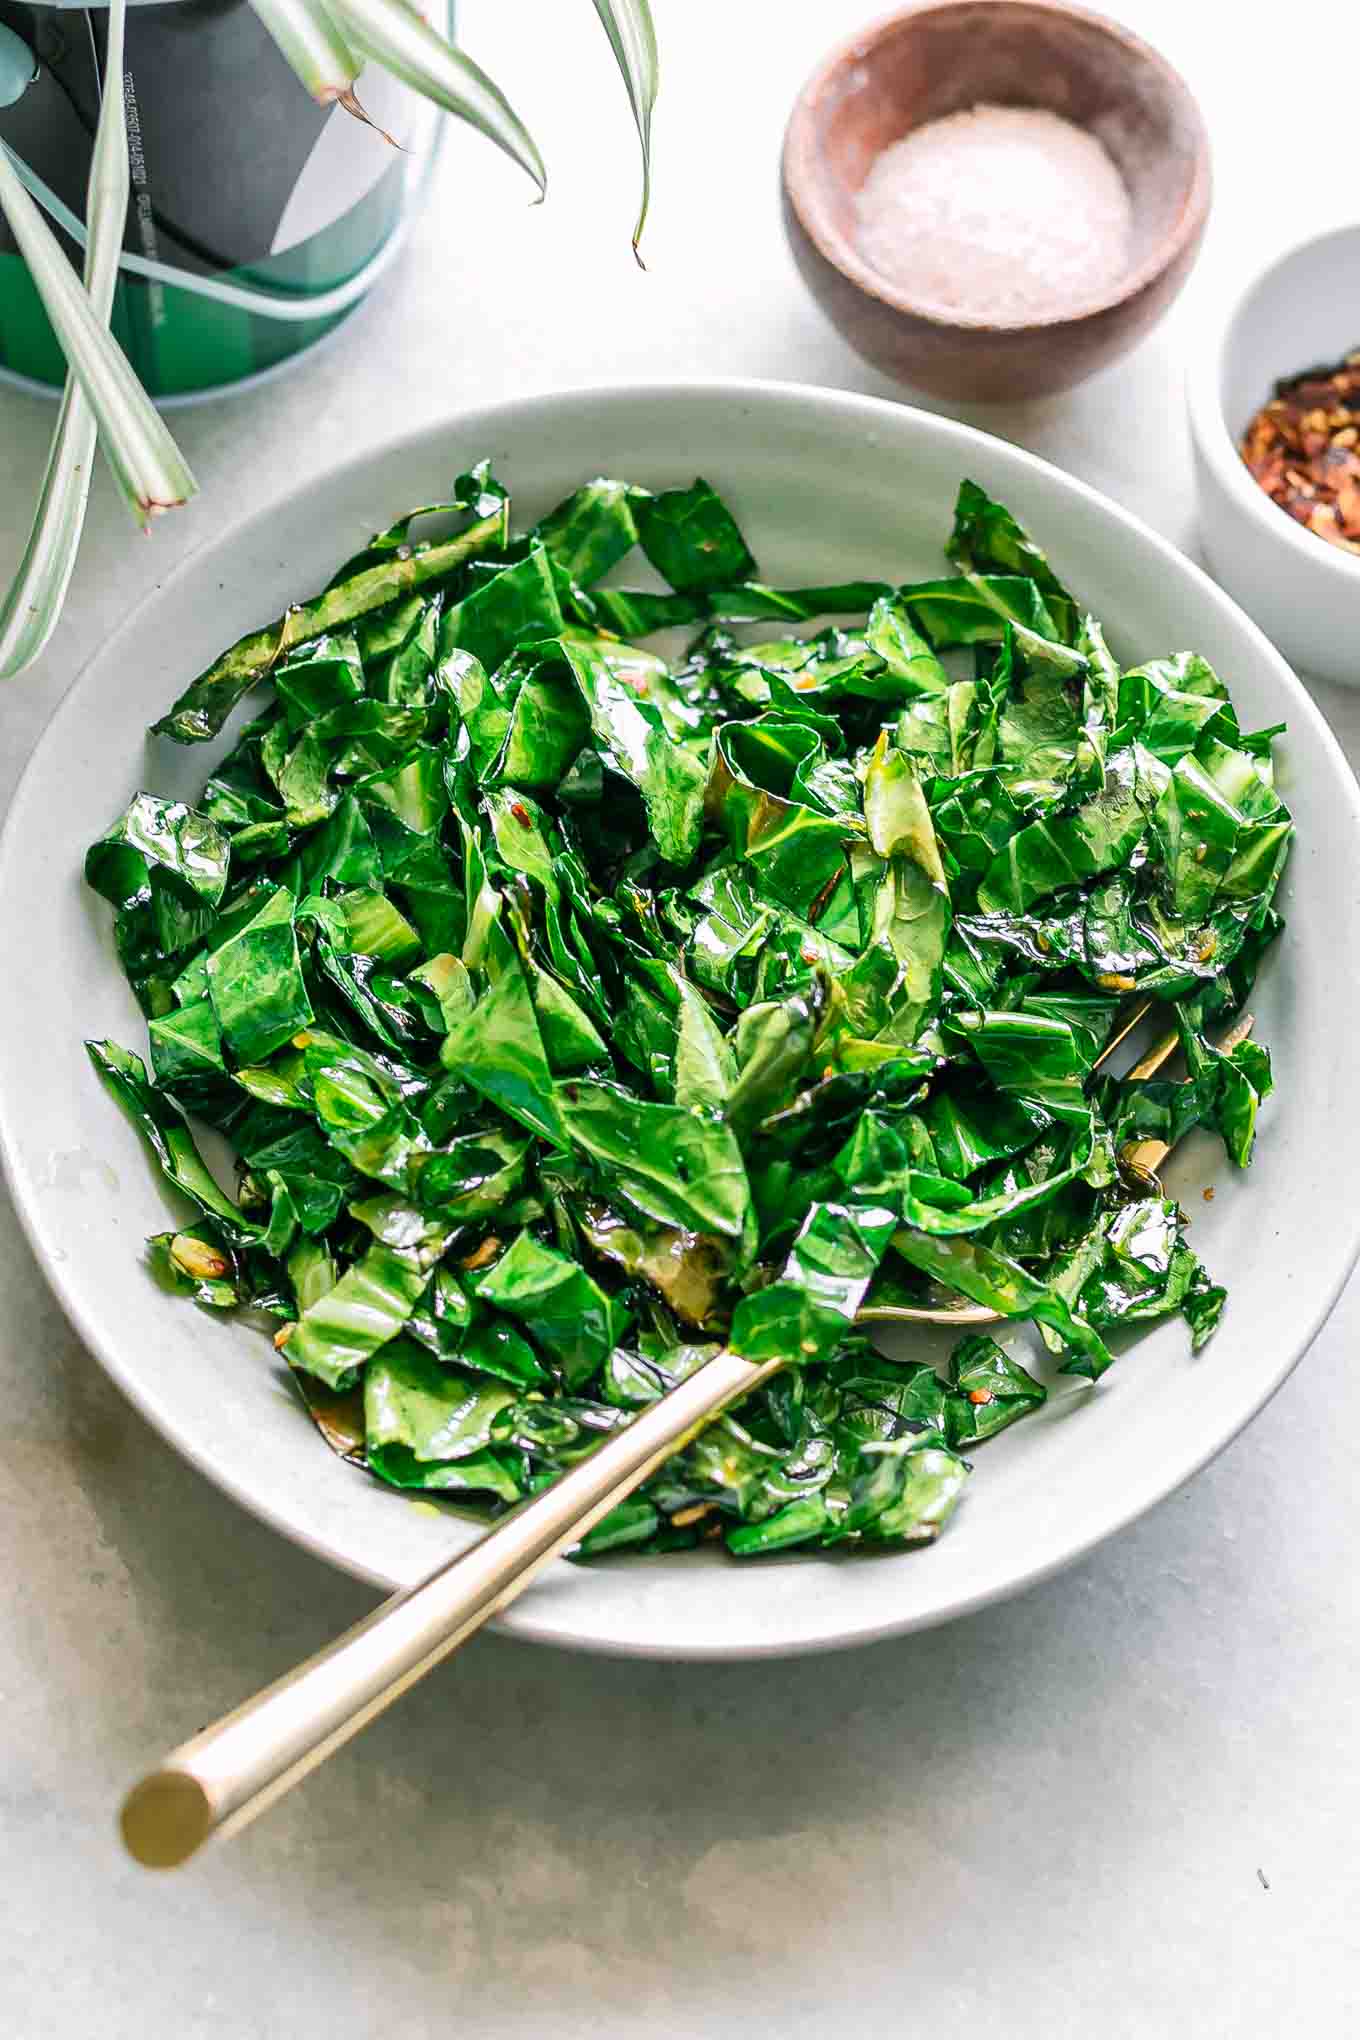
327,43
102,395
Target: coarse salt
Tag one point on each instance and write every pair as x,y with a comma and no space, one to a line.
1003,213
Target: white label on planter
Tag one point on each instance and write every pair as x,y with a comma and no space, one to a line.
348,158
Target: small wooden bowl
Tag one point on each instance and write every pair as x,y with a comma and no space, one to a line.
940,57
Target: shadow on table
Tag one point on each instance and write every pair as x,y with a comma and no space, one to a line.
626,1834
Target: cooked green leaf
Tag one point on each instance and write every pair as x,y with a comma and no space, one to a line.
159,837
632,739
498,1049
987,539
370,1303
691,538
673,1163
575,1010
167,1136
255,982
563,1309
204,706
428,1426
990,1391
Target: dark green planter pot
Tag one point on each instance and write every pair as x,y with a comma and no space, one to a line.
258,220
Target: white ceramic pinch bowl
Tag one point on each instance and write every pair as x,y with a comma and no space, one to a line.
1300,312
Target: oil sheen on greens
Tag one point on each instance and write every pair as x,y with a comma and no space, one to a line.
572,1011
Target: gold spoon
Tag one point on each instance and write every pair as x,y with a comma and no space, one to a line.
218,1781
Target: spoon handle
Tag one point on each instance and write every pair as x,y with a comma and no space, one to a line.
1145,1157
219,1780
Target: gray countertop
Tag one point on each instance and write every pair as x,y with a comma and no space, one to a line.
1129,1797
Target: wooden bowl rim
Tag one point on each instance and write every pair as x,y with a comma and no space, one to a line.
805,186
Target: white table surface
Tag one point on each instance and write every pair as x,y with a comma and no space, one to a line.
1126,1802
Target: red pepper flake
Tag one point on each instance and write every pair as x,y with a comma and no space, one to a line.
980,1395
521,814
824,896
1209,1195
1303,447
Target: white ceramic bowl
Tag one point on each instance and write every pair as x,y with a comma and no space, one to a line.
827,487
1301,311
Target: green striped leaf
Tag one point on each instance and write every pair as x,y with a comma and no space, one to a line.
35,600
147,465
399,39
632,37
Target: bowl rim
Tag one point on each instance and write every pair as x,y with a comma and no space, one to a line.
1213,435
803,188
104,1340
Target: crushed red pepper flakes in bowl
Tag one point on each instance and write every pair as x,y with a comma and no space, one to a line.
1303,448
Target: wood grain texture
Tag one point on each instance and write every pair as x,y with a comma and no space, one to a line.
942,57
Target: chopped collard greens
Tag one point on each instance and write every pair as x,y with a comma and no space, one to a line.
573,1011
